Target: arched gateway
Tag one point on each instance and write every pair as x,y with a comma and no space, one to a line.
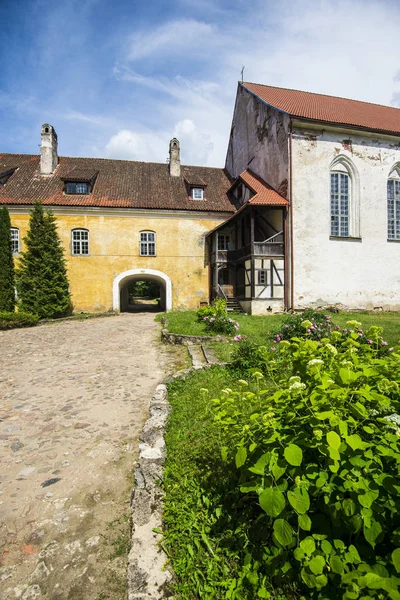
121,282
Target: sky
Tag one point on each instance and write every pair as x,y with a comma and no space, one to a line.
120,78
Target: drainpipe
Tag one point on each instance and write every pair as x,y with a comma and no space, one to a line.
291,220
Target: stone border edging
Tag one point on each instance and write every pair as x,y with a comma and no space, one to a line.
148,577
180,339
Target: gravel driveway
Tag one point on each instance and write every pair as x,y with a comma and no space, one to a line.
73,398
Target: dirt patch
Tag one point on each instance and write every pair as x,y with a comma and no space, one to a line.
74,397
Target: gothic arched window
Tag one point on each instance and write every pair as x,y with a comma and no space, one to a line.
344,198
393,204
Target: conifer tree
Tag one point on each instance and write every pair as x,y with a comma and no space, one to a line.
7,278
42,281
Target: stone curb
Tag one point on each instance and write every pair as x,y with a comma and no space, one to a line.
147,577
180,339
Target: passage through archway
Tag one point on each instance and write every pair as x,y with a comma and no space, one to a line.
124,284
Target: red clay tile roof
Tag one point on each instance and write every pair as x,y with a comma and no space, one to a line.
329,109
119,184
265,195
193,178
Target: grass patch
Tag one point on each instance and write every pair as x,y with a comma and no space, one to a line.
193,461
204,545
257,328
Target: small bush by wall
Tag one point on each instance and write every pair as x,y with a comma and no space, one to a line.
10,320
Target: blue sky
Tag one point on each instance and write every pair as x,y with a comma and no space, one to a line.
120,78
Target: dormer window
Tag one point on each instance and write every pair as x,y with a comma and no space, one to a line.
197,193
77,187
79,181
5,176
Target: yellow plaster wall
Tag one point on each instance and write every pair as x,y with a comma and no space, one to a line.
114,248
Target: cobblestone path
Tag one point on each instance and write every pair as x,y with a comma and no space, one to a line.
73,398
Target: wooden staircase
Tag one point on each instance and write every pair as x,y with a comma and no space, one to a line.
232,305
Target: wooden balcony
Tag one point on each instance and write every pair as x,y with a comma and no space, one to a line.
273,247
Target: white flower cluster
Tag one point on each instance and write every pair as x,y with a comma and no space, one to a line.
295,384
315,361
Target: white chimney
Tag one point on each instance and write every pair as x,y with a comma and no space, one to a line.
174,158
48,150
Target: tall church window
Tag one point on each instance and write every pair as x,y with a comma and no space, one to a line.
344,198
80,242
147,243
340,204
393,206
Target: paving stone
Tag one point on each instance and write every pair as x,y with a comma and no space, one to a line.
72,402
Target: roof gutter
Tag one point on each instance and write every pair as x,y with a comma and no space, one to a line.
333,124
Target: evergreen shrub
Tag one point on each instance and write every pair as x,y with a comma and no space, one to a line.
42,281
11,320
7,277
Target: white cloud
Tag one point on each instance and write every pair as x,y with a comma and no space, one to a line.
153,146
148,146
74,115
171,38
196,145
328,46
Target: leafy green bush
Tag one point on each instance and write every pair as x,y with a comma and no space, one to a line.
218,308
316,503
204,311
219,305
10,320
220,324
319,325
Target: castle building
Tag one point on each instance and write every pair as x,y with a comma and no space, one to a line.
305,212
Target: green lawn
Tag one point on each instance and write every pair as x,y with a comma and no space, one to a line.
256,328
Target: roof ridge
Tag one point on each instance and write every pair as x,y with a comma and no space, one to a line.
122,160
276,87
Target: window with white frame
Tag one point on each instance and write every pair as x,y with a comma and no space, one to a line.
14,240
197,193
340,204
147,243
223,241
80,242
263,277
393,207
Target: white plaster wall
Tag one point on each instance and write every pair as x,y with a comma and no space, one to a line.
259,141
260,307
356,273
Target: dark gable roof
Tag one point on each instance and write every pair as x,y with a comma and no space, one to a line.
118,184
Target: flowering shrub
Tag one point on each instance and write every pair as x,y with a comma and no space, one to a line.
204,311
218,308
319,325
318,471
316,325
220,324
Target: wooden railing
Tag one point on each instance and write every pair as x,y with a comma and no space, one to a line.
273,246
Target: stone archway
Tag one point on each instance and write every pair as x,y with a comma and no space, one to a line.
121,281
